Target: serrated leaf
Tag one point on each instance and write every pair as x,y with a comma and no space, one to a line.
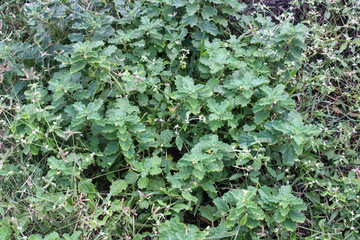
284,211
111,148
261,116
209,27
143,182
285,190
199,174
221,205
208,12
109,50
76,37
52,236
188,20
166,136
208,212
31,237
278,217
221,20
178,207
131,177
288,155
187,196
86,186
297,216
155,171
118,186
209,187
288,225
77,66
191,9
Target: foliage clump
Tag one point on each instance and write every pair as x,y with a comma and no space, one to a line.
166,119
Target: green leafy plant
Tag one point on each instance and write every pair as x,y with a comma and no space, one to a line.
207,119
287,208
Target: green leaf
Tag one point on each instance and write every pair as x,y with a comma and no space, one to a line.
111,148
5,232
187,195
199,173
77,66
272,172
52,236
179,3
131,177
284,211
288,225
221,205
285,190
76,37
143,182
178,207
34,150
209,187
261,116
166,136
208,12
221,20
118,186
191,9
32,237
85,186
179,142
74,236
188,20
288,155
297,216
155,171
296,52
109,50
278,217
209,212
297,148
209,27
243,220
